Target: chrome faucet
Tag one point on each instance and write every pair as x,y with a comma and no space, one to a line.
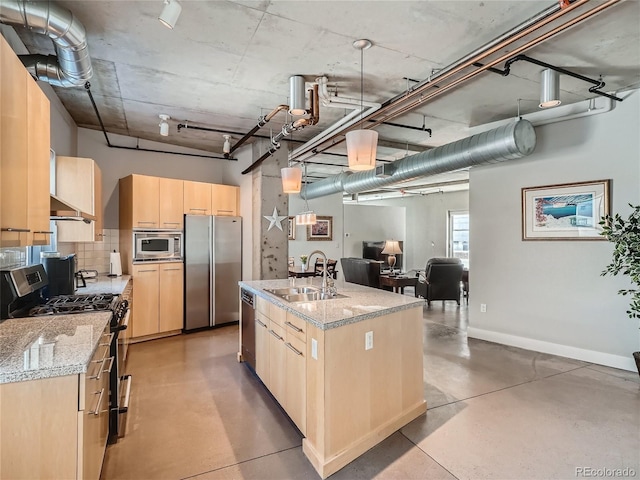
327,288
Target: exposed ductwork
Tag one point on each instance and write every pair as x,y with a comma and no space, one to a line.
72,66
507,142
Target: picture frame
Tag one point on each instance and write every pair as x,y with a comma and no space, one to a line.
566,211
321,230
292,228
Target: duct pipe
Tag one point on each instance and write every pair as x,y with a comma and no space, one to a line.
507,142
262,121
72,67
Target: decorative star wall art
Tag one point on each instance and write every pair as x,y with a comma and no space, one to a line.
275,220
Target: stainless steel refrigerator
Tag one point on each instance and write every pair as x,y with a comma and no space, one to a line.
212,269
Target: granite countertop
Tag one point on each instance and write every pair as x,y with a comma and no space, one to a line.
104,284
359,302
42,347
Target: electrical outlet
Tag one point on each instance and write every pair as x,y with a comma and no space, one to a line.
314,348
483,308
368,340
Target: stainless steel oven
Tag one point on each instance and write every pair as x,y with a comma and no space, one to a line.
157,245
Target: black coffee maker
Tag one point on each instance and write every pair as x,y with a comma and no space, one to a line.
61,272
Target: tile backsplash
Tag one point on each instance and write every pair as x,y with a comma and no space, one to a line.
94,255
12,257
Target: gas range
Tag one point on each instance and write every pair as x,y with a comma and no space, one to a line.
63,304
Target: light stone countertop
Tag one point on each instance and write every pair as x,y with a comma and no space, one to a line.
104,284
32,348
360,302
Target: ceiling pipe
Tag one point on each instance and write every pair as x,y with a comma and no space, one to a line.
72,65
262,121
416,96
507,142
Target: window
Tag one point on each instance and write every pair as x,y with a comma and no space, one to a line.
459,236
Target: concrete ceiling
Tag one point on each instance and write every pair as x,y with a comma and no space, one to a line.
228,62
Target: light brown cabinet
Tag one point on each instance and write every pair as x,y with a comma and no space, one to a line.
24,155
197,198
79,182
159,297
225,200
145,207
150,202
57,427
171,200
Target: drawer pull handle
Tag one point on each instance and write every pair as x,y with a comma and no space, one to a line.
293,349
108,344
288,323
19,230
260,323
275,335
96,411
46,232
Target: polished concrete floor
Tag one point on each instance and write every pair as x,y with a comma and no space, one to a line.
494,412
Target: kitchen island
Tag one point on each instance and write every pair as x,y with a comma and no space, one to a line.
348,371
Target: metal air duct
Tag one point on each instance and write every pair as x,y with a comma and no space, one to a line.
72,66
507,142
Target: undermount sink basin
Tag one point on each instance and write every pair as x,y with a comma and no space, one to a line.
301,294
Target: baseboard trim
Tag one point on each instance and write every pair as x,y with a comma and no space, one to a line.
607,359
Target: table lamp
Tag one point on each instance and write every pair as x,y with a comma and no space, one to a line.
391,248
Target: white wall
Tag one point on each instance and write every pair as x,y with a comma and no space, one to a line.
330,205
116,163
548,295
371,222
426,219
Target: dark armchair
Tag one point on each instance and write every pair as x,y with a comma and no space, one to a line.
441,280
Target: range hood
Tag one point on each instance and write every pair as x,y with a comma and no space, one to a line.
61,210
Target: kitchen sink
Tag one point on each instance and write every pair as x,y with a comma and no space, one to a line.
301,294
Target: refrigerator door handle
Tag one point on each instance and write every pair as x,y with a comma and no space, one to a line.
212,274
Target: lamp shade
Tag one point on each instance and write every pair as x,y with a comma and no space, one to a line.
297,99
361,149
391,247
306,218
291,179
170,13
549,88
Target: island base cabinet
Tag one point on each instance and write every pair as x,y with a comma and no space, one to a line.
295,388
358,397
262,346
277,363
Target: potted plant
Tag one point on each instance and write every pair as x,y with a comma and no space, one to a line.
625,235
303,261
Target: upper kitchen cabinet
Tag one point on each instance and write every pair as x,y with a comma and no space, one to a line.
197,198
24,155
150,202
225,200
79,182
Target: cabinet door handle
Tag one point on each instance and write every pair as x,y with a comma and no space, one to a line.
289,324
96,411
293,349
228,211
171,223
169,269
275,335
140,271
46,232
260,323
18,230
150,223
198,209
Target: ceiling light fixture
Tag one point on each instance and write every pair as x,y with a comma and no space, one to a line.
226,146
307,217
170,13
549,88
164,126
297,98
291,179
362,144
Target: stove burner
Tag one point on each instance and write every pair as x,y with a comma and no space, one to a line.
76,304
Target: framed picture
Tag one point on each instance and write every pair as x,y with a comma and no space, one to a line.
569,211
292,228
321,230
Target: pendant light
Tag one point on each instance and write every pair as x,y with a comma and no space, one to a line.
549,88
362,144
308,217
291,179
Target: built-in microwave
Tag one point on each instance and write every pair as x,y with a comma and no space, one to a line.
157,245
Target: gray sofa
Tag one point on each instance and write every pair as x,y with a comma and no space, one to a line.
361,271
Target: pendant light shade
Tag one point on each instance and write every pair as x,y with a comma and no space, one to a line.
297,100
306,218
549,88
361,149
291,179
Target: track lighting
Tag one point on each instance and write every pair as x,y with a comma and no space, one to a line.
170,13
226,146
297,100
549,88
164,126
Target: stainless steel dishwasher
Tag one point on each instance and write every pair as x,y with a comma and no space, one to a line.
248,327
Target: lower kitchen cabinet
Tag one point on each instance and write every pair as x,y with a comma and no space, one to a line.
281,358
57,427
158,289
